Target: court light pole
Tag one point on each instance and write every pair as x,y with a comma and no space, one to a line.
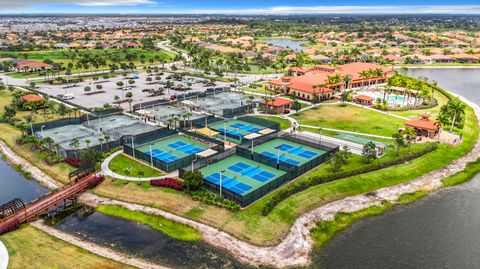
133,146
225,132
151,156
41,128
221,173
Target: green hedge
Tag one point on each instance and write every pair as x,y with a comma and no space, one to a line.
299,186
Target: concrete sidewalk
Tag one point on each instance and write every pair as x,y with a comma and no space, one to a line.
107,172
3,256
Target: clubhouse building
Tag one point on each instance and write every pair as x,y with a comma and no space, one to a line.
323,81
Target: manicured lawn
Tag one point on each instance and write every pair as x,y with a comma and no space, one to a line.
29,247
173,229
284,123
350,118
122,162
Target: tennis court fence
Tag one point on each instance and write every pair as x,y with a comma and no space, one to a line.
164,166
219,145
262,122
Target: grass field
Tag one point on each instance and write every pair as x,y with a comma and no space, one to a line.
350,118
173,229
284,123
122,162
29,247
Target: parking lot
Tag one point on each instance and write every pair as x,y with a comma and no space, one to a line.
142,90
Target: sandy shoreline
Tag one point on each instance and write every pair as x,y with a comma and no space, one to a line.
294,249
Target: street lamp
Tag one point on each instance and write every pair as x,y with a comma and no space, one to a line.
223,171
151,155
41,128
133,146
194,160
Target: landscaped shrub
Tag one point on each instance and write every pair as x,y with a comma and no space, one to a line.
167,183
302,185
211,198
73,162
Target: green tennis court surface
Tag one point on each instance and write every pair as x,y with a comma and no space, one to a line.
173,148
235,129
288,151
359,140
240,175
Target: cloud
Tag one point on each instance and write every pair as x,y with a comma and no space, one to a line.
386,9
10,5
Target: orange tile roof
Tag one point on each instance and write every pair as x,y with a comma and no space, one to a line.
364,97
277,102
421,123
32,98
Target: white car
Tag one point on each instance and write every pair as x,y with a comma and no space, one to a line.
68,96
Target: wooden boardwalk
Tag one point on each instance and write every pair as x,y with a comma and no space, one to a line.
50,202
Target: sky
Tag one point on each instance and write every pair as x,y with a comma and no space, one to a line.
254,7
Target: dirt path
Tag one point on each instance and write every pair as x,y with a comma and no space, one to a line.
295,248
96,249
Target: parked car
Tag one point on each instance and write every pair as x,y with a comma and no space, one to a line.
286,111
68,96
133,76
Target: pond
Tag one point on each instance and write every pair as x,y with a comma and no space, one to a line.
295,45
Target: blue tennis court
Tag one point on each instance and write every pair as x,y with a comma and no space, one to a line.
231,133
251,172
229,183
304,153
185,147
282,158
245,127
162,156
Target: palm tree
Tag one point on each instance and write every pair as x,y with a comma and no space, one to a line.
456,107
49,141
88,141
364,75
442,120
346,81
107,138
101,140
74,144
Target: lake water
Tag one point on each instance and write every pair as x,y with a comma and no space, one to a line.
439,231
14,185
296,45
142,241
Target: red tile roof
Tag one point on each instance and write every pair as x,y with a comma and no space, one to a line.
277,102
421,123
32,97
364,97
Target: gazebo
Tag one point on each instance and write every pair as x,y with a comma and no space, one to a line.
424,126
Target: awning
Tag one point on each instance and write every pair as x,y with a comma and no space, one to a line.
206,153
207,132
252,136
189,103
266,131
143,112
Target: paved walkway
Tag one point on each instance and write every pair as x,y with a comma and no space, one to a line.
106,171
343,131
3,256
